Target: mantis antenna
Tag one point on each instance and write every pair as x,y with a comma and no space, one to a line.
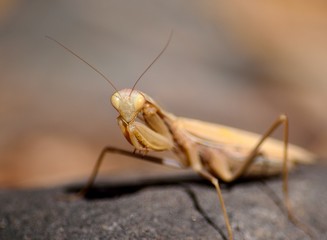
101,74
158,56
80,58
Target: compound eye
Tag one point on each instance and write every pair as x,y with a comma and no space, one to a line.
115,100
138,102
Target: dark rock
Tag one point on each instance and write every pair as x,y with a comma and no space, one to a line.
172,208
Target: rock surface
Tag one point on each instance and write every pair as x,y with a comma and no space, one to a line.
168,208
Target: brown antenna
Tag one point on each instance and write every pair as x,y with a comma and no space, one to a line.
158,56
80,58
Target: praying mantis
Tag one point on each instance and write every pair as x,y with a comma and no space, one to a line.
216,152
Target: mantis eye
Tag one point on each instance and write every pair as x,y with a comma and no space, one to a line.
115,100
138,102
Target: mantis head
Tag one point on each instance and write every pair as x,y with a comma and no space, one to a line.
128,103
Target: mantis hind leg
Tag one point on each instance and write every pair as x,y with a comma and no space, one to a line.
218,165
115,150
222,170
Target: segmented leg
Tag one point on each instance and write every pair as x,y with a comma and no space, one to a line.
168,162
193,155
226,175
158,160
229,176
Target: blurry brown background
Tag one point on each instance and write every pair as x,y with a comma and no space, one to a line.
239,63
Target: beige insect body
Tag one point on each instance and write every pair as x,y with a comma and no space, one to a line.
211,150
236,144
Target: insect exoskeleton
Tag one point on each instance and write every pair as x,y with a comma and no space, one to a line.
148,127
128,103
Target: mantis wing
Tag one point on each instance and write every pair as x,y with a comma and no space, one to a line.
236,140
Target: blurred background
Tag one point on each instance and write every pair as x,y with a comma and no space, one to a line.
238,63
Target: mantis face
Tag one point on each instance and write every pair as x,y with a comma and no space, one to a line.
128,104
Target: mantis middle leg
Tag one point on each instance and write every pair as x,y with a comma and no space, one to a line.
108,149
194,157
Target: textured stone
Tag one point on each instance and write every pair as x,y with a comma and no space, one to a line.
167,208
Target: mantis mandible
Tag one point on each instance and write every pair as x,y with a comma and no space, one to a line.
211,150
